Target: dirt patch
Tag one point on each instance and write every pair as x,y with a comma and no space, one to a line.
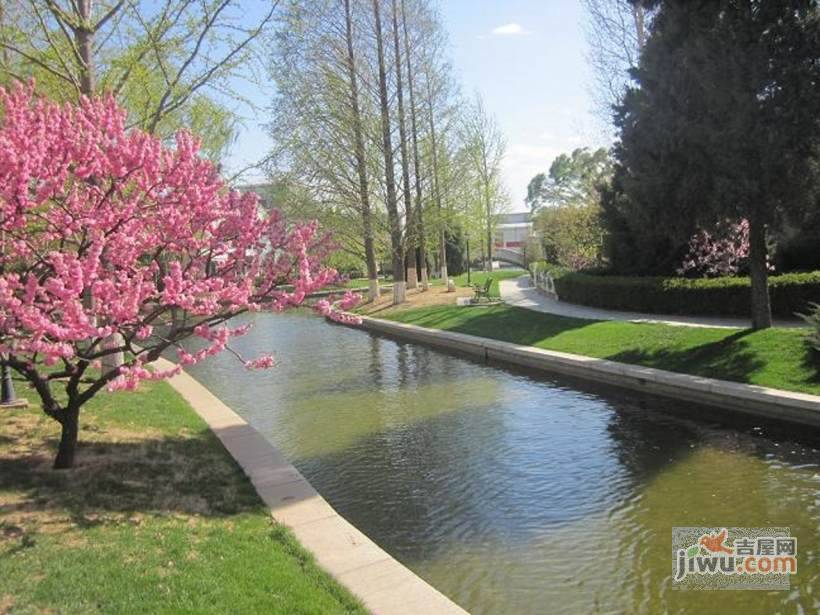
6,602
416,298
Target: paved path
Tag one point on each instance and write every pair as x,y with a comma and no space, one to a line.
520,293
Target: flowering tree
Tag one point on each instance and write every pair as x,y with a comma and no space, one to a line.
721,254
115,244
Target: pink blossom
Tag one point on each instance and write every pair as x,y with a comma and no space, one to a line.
332,310
263,362
721,254
108,230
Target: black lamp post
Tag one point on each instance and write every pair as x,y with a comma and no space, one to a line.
468,260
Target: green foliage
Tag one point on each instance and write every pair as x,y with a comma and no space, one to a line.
777,358
726,296
813,319
172,65
723,124
572,179
571,235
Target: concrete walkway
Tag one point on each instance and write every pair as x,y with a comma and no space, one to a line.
520,293
382,583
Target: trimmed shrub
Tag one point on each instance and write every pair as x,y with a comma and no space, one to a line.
790,293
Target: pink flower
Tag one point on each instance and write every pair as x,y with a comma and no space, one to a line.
263,362
112,231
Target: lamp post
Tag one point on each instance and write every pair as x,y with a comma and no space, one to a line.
468,260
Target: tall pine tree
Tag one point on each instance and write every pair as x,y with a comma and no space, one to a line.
725,122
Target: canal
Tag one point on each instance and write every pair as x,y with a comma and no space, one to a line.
515,492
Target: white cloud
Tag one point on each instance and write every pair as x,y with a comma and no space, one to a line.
509,29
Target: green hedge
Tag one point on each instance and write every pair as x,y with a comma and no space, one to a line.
790,293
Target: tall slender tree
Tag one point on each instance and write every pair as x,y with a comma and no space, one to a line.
410,235
435,169
484,147
414,131
394,221
361,161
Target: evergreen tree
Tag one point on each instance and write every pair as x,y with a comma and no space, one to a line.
724,123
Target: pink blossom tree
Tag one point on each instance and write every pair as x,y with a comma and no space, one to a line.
722,253
114,243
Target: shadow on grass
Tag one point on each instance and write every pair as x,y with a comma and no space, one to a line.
171,475
728,359
518,325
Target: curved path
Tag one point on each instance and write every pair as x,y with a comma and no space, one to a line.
520,293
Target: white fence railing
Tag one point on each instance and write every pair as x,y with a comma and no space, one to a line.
544,283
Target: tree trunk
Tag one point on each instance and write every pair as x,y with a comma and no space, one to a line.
488,205
639,16
84,39
410,232
442,245
389,170
442,242
759,273
361,161
421,256
68,439
489,265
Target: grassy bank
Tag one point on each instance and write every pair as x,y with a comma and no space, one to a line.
155,517
777,358
476,277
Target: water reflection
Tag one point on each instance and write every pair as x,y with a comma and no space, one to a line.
516,493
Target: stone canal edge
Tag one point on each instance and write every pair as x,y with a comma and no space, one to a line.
746,398
383,584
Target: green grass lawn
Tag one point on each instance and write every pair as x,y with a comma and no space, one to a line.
364,282
480,277
155,518
777,358
476,277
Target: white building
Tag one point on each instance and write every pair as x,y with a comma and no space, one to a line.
513,230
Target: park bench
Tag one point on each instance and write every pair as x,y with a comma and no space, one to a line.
482,290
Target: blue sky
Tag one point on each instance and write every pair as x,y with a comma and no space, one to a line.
526,58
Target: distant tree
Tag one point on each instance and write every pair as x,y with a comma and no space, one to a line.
724,123
320,118
571,235
391,200
616,32
170,63
573,179
483,148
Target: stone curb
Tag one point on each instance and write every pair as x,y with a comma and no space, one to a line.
746,398
382,583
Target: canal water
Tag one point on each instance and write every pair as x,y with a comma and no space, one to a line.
513,492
